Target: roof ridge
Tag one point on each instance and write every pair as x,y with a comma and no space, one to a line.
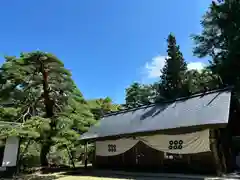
170,101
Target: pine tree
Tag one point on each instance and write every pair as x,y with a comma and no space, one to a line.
50,107
172,78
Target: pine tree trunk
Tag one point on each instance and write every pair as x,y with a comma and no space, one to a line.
43,154
70,157
48,102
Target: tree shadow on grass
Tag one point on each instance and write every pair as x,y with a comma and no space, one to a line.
93,174
56,169
58,173
81,172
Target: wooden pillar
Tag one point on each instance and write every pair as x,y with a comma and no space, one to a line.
161,156
85,155
123,160
188,160
19,160
95,156
221,150
224,163
214,149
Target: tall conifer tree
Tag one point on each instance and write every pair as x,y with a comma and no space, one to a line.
172,78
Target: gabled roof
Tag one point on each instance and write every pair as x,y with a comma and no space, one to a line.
210,108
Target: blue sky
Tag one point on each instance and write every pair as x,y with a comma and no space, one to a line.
107,44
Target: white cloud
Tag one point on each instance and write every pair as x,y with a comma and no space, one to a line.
195,65
153,68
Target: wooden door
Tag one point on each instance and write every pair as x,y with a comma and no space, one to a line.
129,159
147,158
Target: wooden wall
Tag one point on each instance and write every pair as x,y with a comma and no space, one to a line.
143,158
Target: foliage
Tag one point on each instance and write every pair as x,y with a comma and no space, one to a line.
43,97
220,39
8,114
30,156
101,106
173,71
200,81
140,94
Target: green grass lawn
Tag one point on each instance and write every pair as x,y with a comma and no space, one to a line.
88,177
